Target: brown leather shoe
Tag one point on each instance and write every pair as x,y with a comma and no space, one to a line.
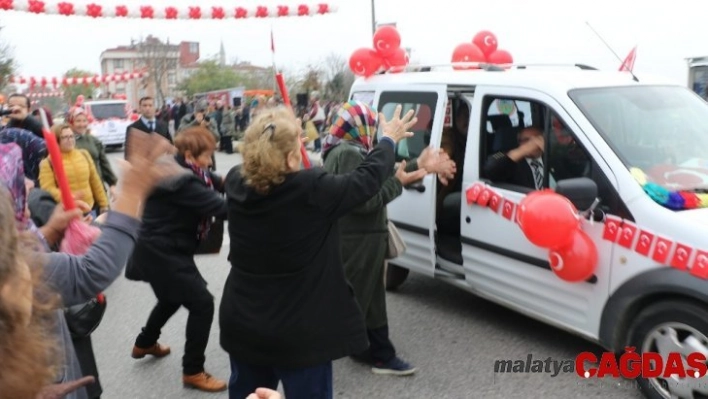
203,382
157,350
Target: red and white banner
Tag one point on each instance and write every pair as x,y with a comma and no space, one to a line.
33,81
96,10
662,250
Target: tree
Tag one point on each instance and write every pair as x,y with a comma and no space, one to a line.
211,76
73,91
7,63
158,59
339,79
311,79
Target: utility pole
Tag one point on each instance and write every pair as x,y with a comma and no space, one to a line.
373,16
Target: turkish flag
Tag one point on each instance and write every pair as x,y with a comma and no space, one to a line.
661,250
508,209
613,226
495,202
484,197
681,256
700,265
627,234
646,239
473,193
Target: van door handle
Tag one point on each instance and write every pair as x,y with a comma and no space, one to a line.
417,187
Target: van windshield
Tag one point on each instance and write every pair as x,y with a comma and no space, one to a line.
661,130
108,111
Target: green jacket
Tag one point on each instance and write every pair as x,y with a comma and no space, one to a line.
95,148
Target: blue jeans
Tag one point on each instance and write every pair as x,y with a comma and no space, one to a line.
305,383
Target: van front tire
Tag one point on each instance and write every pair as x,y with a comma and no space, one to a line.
395,276
678,325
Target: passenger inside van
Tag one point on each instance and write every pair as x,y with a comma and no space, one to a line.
522,166
454,142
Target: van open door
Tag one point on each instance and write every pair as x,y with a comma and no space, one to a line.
413,212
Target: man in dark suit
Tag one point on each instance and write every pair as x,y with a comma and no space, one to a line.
147,122
522,166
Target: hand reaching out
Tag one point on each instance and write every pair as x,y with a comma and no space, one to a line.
437,161
264,393
407,178
59,391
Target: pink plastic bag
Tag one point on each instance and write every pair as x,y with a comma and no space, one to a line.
78,237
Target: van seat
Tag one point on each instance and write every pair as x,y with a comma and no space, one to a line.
448,223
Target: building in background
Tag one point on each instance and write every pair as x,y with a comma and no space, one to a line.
167,64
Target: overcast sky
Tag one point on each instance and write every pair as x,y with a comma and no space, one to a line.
538,31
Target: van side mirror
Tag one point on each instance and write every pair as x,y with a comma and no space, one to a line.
581,191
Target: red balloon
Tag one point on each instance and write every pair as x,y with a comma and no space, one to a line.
500,57
549,220
523,205
577,261
365,62
467,52
386,41
486,41
396,62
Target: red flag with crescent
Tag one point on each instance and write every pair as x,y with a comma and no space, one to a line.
628,63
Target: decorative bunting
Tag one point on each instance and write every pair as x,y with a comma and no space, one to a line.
95,10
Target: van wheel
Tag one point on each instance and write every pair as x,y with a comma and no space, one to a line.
671,326
395,276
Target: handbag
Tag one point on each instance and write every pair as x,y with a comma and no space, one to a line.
396,245
84,318
214,240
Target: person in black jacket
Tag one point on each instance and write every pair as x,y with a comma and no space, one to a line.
287,310
522,166
20,117
177,217
147,122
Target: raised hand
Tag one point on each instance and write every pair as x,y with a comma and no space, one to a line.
398,128
438,161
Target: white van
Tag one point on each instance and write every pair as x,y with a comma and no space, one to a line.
598,126
109,121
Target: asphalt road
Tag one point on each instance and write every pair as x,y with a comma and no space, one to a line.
453,337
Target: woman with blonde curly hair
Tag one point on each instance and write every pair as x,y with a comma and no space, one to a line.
287,311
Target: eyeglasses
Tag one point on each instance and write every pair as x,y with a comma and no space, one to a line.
67,138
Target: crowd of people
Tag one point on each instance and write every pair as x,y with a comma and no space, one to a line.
307,246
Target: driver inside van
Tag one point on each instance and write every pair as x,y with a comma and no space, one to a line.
522,166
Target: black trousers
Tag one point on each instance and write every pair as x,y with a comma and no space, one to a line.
381,348
84,353
201,314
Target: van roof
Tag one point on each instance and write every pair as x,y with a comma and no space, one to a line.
542,78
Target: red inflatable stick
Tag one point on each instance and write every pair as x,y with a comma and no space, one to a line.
58,165
286,99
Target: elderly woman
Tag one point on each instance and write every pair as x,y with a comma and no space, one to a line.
364,232
84,180
34,346
177,217
286,310
78,119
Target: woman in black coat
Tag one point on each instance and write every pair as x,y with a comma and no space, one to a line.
287,310
177,216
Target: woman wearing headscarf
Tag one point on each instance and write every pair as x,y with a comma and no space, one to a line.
177,217
364,231
287,311
78,119
34,149
34,338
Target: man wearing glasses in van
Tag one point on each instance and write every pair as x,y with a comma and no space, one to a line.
522,166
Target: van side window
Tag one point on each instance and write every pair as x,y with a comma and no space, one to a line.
503,120
423,104
367,97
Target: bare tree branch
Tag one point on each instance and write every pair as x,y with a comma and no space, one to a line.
158,59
